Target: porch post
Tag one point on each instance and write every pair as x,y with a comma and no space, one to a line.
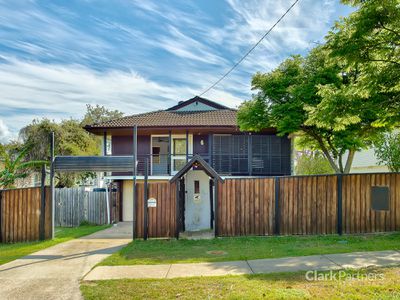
134,181
53,201
210,149
187,145
104,143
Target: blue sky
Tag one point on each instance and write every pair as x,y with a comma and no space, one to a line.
136,56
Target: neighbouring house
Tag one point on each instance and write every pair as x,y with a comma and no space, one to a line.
169,139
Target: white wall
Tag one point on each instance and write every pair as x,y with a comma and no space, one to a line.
365,161
127,200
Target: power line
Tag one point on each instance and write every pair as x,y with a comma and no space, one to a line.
250,50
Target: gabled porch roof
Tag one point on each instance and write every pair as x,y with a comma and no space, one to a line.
197,161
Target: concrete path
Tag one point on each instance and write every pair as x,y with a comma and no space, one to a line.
353,260
55,272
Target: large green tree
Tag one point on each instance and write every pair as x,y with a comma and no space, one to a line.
70,139
338,98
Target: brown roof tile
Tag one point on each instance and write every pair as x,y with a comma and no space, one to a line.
164,118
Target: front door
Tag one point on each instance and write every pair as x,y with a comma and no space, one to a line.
197,203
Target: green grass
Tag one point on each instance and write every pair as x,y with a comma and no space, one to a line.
9,252
244,248
266,286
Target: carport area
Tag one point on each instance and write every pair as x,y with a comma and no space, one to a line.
55,272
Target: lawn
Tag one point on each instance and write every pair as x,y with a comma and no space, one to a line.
244,248
9,252
386,285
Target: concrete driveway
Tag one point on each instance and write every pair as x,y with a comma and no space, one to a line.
55,272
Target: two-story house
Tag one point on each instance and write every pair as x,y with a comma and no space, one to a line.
168,139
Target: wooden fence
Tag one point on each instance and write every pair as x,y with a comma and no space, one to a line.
73,206
306,205
22,217
161,219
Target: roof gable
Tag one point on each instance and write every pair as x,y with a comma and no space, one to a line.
196,104
196,162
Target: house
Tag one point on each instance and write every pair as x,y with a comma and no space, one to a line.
169,139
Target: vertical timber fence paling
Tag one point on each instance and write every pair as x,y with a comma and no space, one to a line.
339,204
277,208
134,204
42,204
53,208
145,196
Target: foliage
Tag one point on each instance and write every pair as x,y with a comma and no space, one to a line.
15,166
387,150
70,139
342,95
312,163
99,114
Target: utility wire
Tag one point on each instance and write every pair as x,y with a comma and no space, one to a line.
250,50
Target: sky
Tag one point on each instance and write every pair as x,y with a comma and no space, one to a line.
138,56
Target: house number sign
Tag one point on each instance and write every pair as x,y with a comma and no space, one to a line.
152,202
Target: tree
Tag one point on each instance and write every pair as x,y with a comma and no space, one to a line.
387,150
99,114
367,43
312,163
342,95
71,139
15,167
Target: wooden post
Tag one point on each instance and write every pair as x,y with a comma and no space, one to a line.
134,182
42,220
53,201
277,208
339,204
177,210
216,227
145,198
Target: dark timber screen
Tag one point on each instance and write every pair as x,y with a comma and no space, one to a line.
251,155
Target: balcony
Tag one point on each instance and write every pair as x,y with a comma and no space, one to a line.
223,164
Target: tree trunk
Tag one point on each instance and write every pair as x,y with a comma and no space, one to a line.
349,161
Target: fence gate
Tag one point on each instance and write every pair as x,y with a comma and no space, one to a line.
75,206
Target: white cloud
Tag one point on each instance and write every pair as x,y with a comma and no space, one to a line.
5,134
34,90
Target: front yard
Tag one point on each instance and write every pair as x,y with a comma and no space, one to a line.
245,248
268,286
9,252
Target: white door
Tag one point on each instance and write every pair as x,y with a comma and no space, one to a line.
197,201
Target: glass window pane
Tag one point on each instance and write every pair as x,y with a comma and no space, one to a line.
179,164
179,147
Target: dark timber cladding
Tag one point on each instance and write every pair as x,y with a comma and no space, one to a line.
93,163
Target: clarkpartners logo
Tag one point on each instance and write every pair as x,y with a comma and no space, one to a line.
314,275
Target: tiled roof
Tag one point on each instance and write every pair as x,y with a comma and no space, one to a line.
165,118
